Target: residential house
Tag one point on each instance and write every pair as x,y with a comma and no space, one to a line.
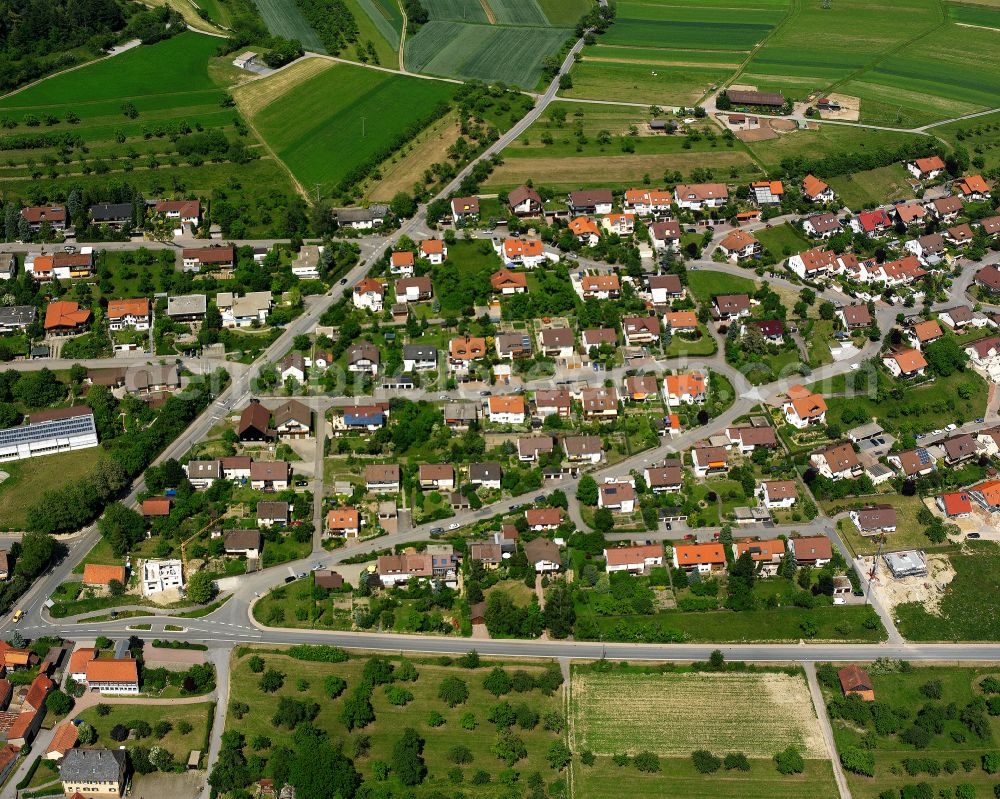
382,478
270,475
636,559
987,494
730,306
14,318
345,522
595,337
748,437
926,168
513,345
524,202
816,263
255,423
363,356
292,419
236,467
543,519
837,462
766,193
115,215
507,283
414,289
923,333
962,316
485,475
813,551
556,342
778,494
912,462
362,218
905,363
369,294
642,388
583,449
434,250
134,313
97,575
543,555
875,519
959,449
985,353
648,202
619,224
855,317
641,329
988,441
703,558
816,191
506,409
773,330
664,289
708,460
419,357
293,366
156,507
243,543
617,496
183,212
591,201
821,226
93,772
63,740
65,318
955,505
397,569
520,252
401,263
585,230
738,245
690,388
38,215
113,676
194,259
59,266
459,415
930,249
437,477
804,408
666,235
187,308
872,223
959,235
697,196
202,474
529,449
666,479
681,321
250,309
599,287
766,555
909,213
972,188
599,403
464,350
272,513
550,402
464,209
945,209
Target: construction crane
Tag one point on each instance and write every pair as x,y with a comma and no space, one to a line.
872,575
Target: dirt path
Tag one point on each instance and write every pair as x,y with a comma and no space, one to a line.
402,36
489,12
824,723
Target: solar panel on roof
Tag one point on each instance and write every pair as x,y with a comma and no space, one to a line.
54,428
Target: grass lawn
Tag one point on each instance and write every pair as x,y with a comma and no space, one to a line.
921,409
902,691
981,136
197,715
967,609
909,533
517,590
292,605
30,478
817,334
825,140
391,720
705,284
783,240
682,347
874,187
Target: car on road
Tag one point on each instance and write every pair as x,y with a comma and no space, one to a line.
290,578
980,420
515,506
18,615
443,396
317,566
540,498
855,366
343,282
69,248
485,393
974,535
454,526
302,575
435,530
858,593
948,428
937,432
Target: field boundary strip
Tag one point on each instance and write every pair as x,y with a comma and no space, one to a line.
392,36
490,16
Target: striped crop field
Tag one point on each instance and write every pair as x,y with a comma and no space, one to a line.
518,12
283,18
488,53
456,10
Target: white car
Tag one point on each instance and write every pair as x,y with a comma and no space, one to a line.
839,600
855,366
454,526
950,427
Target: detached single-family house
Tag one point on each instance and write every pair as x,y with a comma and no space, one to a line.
583,449
506,409
766,555
804,408
972,188
556,342
617,496
419,357
520,252
666,235
636,559
591,201
543,519
837,462
402,263
543,555
414,289
641,329
369,294
485,475
524,202
363,356
926,168
585,230
905,363
292,419
506,282
666,479
552,401
708,460
875,519
912,462
464,209
855,317
816,191
344,522
599,403
696,196
194,259
689,388
270,475
923,333
434,250
437,476
821,226
599,287
382,478
730,306
738,245
813,551
134,313
945,209
395,569
703,558
778,493
955,505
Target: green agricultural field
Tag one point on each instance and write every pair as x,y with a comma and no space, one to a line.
854,35
640,82
980,136
390,720
705,284
564,13
489,53
28,479
981,16
952,755
457,10
374,26
519,12
671,723
283,18
967,607
343,111
167,84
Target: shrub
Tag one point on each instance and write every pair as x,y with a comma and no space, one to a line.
318,652
453,691
405,671
470,660
480,777
789,761
736,761
860,761
647,761
498,682
991,762
397,695
527,719
460,754
522,682
965,790
256,664
620,760
435,719
334,686
455,776
931,689
558,755
509,748
587,757
162,728
705,762
119,733
271,681
468,721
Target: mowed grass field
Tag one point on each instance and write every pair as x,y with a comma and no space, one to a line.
283,18
167,83
197,715
488,53
873,187
822,140
28,479
344,115
626,710
560,163
391,720
672,53
381,23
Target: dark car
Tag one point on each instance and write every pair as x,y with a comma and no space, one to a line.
540,498
973,535
859,593
290,578
435,530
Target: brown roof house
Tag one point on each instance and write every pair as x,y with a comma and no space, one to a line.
255,423
854,681
543,554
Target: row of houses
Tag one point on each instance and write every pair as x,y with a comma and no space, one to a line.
706,558
116,215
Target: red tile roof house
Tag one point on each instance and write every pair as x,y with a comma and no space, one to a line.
97,575
63,739
634,559
812,550
704,558
926,168
767,553
956,505
541,519
113,676
156,506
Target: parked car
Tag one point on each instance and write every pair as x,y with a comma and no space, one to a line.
437,530
454,526
290,578
950,427
974,535
839,600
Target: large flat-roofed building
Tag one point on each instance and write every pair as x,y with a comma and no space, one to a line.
910,563
48,432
